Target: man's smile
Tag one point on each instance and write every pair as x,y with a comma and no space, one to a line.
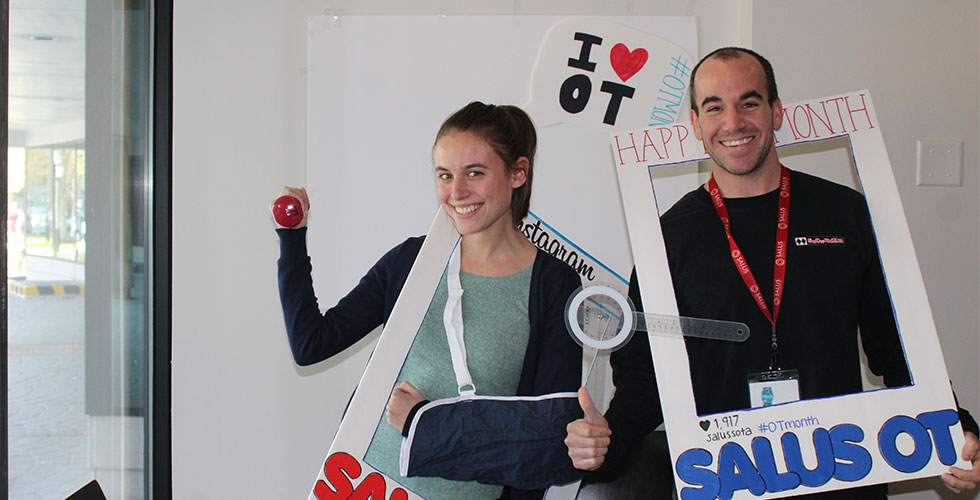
737,142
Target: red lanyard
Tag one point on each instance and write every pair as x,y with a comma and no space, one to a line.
782,240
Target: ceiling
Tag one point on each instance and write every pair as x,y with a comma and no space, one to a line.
46,67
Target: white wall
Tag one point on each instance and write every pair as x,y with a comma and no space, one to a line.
921,62
248,423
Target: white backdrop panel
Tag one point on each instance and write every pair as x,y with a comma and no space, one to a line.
380,86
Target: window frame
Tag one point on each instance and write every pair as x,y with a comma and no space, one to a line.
159,480
4,56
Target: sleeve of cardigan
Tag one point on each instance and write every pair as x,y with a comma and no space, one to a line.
559,357
316,336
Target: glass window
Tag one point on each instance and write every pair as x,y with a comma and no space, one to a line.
52,187
67,217
16,211
37,194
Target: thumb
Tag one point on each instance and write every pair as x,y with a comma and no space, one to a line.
971,449
592,415
306,197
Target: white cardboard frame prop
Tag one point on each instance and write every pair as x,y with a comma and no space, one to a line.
344,471
917,417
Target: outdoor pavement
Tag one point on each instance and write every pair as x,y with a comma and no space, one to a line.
48,442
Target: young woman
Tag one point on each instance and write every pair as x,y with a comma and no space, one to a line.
515,338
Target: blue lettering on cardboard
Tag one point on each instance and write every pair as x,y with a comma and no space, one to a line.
737,472
887,436
938,423
843,439
839,455
766,462
690,468
825,457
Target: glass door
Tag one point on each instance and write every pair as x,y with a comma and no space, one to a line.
85,149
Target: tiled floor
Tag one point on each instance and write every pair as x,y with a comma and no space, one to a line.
48,456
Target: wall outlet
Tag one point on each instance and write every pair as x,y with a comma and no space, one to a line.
939,163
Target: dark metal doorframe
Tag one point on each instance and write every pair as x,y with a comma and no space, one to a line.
159,484
4,56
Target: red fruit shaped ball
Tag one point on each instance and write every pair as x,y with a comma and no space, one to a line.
288,211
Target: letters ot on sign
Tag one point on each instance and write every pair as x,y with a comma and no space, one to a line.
810,445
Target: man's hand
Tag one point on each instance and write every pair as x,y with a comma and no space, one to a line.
588,438
959,480
404,397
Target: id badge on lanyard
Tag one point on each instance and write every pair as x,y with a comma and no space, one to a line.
775,385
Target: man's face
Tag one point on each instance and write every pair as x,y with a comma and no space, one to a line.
736,122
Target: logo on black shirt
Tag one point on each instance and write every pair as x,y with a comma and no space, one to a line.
803,241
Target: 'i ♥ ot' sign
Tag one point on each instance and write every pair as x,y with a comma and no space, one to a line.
600,73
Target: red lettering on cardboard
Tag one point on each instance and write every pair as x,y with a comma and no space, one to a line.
840,117
680,140
340,469
632,146
648,141
809,124
831,125
826,123
665,140
851,111
372,487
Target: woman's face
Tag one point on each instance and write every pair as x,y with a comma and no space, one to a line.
473,182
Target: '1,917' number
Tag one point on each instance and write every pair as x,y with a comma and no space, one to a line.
727,421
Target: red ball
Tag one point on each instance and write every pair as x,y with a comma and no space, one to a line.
288,211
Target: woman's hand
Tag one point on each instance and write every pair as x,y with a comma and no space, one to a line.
299,194
404,397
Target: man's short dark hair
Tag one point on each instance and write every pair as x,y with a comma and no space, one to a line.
728,53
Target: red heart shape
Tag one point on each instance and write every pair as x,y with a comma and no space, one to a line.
626,63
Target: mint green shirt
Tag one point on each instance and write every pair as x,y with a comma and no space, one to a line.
496,330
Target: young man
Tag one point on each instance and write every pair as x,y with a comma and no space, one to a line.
730,247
